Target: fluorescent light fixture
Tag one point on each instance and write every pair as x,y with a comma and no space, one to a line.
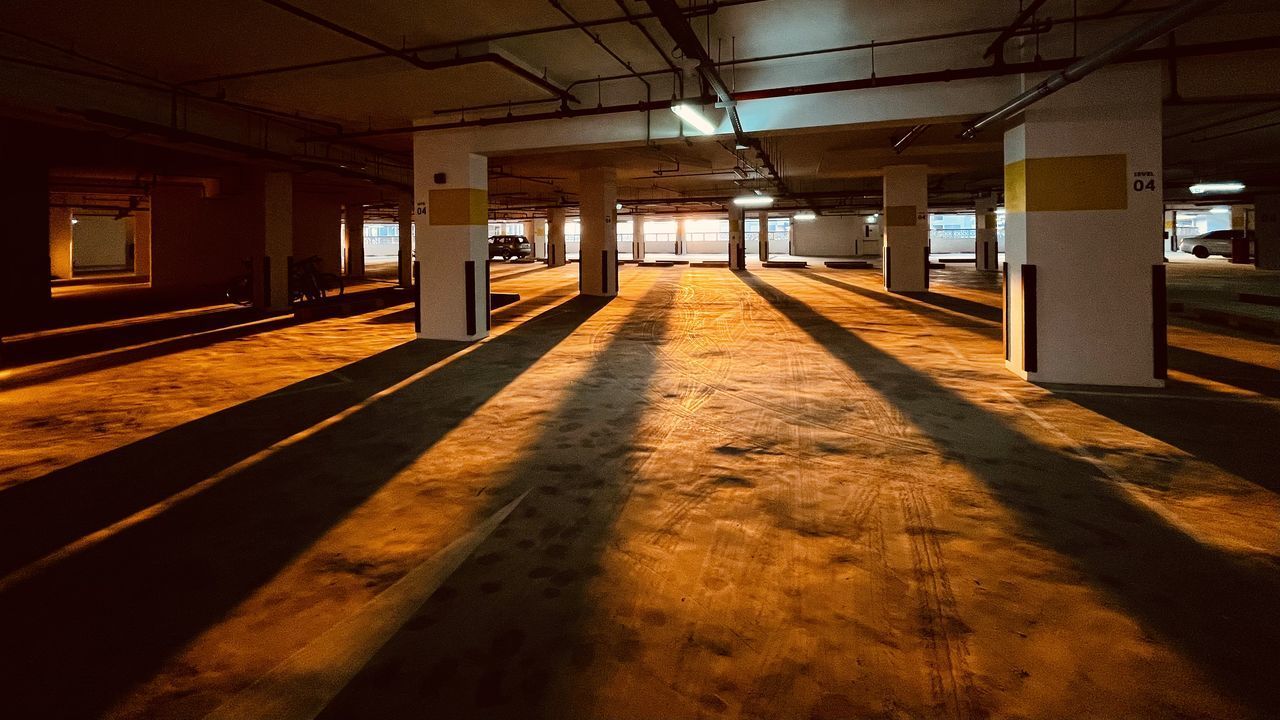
873,218
753,200
75,221
805,215
1221,210
694,117
617,206
1218,187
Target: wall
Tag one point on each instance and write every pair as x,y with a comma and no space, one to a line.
100,242
317,228
60,242
199,242
828,236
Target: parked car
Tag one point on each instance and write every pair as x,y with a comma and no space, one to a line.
1217,242
510,246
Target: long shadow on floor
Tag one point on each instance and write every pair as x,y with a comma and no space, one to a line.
89,627
45,513
1246,376
884,297
512,620
1214,607
960,305
1237,436
245,327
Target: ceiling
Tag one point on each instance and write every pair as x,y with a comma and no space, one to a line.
348,81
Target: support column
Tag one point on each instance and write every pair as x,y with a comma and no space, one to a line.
637,238
452,190
527,229
24,234
1087,307
764,235
539,239
906,228
598,257
737,238
555,238
60,264
271,265
353,224
1240,221
404,218
986,246
680,226
142,244
1266,218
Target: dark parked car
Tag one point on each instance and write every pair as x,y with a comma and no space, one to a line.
510,246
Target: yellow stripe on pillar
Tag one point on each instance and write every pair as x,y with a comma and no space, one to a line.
458,206
900,216
1084,182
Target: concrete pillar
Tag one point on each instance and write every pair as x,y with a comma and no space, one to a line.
1087,307
1266,219
527,230
764,235
637,238
271,263
142,244
737,238
353,229
906,228
555,238
452,185
598,257
404,218
539,239
24,234
60,264
1240,221
680,228
986,247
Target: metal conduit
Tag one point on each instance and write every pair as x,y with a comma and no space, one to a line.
417,62
1113,52
1269,42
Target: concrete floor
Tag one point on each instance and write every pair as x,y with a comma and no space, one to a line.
775,494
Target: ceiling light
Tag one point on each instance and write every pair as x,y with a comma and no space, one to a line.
873,218
1220,187
805,215
617,206
75,221
1221,210
694,117
753,200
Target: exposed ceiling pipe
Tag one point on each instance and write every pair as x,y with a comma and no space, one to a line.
622,5
1113,52
902,142
596,39
179,136
733,62
996,48
678,27
413,59
707,9
1269,42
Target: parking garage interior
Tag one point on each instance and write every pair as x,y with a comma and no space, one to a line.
640,359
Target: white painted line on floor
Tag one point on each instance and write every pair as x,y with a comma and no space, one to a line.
304,684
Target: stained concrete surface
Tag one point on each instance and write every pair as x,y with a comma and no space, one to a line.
780,494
